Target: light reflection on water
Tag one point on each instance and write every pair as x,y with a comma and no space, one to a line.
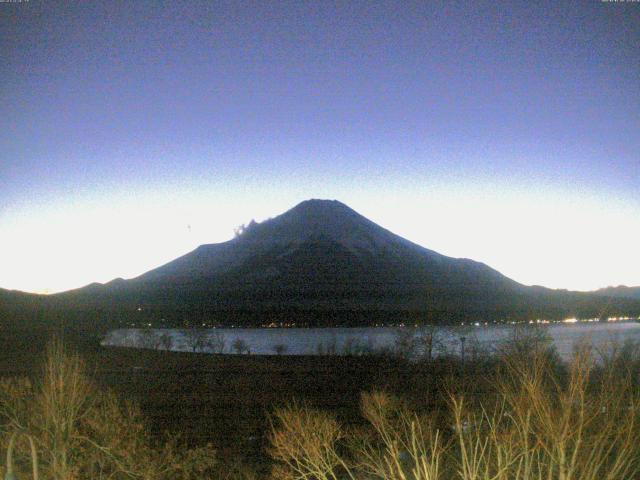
312,341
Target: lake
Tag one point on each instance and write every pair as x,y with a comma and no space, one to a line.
340,341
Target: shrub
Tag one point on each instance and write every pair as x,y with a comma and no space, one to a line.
546,426
82,432
305,441
527,342
539,422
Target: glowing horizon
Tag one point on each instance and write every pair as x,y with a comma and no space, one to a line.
137,131
553,242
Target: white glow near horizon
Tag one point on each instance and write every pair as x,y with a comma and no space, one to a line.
558,241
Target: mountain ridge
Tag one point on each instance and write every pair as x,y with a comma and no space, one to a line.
621,291
323,263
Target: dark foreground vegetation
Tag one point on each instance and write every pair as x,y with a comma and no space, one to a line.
124,413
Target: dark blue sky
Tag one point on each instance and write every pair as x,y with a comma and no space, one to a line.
480,129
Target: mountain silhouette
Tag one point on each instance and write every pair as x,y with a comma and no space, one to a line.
323,263
318,247
621,291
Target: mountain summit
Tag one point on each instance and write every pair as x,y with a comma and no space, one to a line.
323,263
330,220
327,219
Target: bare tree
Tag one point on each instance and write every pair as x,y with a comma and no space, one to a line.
429,340
216,342
165,341
148,338
528,341
405,342
423,342
328,348
279,348
240,346
196,338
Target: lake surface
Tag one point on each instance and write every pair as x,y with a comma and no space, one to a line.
341,341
